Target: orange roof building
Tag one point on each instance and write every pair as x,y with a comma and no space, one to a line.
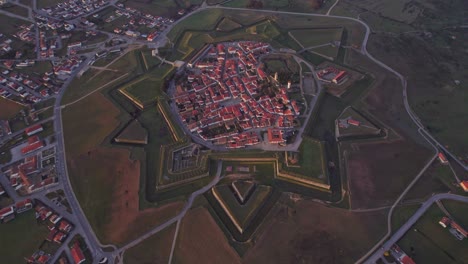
442,158
464,185
275,136
77,254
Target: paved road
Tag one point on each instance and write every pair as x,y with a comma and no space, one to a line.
331,7
398,234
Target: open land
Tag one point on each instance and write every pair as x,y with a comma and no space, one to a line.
428,242
313,233
108,194
378,172
155,249
304,6
437,179
14,245
201,240
8,109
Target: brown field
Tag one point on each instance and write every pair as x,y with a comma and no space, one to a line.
8,108
105,179
429,183
200,240
314,233
162,241
379,172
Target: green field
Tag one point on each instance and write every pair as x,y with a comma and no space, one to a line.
162,241
312,164
201,28
93,79
458,210
302,6
133,132
314,37
244,214
228,24
431,243
21,238
365,127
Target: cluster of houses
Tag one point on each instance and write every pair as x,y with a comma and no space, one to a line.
137,20
8,213
332,75
223,96
75,8
59,230
49,23
400,256
29,176
66,66
32,88
455,229
25,33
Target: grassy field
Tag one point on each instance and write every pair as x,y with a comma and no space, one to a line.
90,81
428,242
194,32
150,86
47,3
314,37
167,8
309,232
303,6
437,179
201,240
458,210
228,24
365,127
372,171
244,214
14,245
311,161
106,179
161,241
133,132
15,9
402,214
8,108
439,91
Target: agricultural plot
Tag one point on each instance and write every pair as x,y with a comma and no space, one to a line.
346,125
428,242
